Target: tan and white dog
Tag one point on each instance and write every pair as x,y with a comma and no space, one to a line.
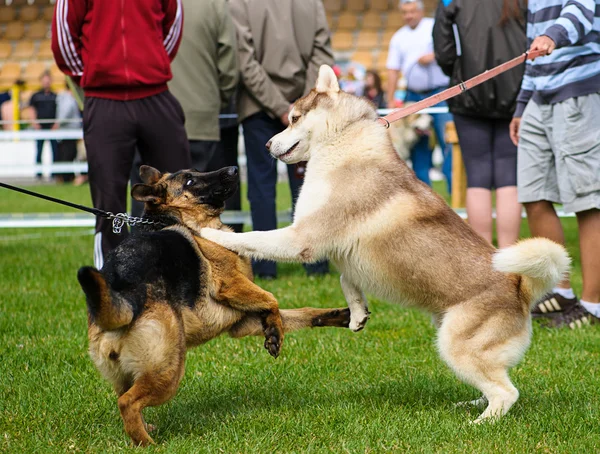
392,236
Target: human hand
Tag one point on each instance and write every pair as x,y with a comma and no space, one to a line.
55,126
513,128
426,59
36,126
544,44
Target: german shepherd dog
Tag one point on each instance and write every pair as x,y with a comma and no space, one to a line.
165,289
392,236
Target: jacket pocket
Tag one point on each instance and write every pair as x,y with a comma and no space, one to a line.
580,146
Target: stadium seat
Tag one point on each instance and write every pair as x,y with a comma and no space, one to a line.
14,31
5,50
356,5
33,71
7,14
332,6
45,51
380,5
331,21
347,21
342,41
29,13
48,13
58,77
19,2
381,61
38,30
394,20
372,20
9,73
367,40
24,50
364,58
386,38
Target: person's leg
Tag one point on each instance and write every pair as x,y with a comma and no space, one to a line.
262,180
420,154
589,245
537,183
109,134
508,208
229,142
296,179
38,157
475,138
439,126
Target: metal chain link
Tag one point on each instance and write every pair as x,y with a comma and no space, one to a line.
120,219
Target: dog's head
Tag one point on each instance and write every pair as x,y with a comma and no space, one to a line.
188,192
319,117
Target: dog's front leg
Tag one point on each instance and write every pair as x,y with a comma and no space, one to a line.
281,245
357,302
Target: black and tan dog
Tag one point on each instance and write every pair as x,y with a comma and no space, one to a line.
165,289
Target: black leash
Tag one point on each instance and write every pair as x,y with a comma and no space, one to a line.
118,219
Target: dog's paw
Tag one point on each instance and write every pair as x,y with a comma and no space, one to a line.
339,318
481,402
358,322
209,234
273,341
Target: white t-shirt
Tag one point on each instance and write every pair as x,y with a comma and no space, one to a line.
406,47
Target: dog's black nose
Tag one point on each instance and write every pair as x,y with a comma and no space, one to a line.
268,145
231,171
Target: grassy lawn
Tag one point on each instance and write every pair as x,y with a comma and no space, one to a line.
381,390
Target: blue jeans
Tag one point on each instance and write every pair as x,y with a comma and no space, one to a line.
262,181
421,153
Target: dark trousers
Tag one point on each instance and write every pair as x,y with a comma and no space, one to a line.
229,143
40,148
262,180
67,152
112,132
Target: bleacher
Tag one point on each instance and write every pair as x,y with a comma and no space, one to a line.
25,44
362,29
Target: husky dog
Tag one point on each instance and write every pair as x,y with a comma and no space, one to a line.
392,236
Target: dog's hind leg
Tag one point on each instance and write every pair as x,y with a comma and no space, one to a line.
244,295
357,302
294,319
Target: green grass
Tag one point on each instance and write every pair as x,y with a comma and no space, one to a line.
380,390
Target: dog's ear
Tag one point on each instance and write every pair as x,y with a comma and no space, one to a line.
327,81
149,175
155,194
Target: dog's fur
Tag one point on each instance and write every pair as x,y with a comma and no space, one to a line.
391,235
165,289
407,131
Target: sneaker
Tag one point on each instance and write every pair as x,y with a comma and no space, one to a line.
575,317
552,304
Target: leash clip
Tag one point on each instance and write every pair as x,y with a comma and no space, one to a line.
119,221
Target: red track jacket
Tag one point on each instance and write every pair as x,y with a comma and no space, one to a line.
117,49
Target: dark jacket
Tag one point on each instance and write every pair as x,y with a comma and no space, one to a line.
482,44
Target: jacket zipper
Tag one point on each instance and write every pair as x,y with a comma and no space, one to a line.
124,46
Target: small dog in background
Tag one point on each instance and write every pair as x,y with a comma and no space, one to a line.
407,131
165,289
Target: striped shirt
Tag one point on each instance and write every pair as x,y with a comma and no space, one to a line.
573,69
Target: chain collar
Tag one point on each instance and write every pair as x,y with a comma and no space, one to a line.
120,219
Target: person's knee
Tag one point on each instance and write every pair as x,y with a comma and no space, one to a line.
538,208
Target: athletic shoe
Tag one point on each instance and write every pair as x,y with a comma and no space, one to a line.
552,304
575,317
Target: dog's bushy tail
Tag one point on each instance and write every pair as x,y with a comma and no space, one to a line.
542,264
104,311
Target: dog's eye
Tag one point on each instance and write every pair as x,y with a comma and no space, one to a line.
189,182
295,118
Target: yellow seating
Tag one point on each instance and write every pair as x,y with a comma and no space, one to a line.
381,61
48,13
7,14
356,5
14,31
38,30
372,20
33,71
381,5
24,50
367,40
9,73
347,21
45,50
29,13
386,38
333,6
5,50
365,58
394,20
342,41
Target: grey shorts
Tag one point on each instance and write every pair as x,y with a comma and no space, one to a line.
559,153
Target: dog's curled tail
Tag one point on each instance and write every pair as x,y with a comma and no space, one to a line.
104,311
541,262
